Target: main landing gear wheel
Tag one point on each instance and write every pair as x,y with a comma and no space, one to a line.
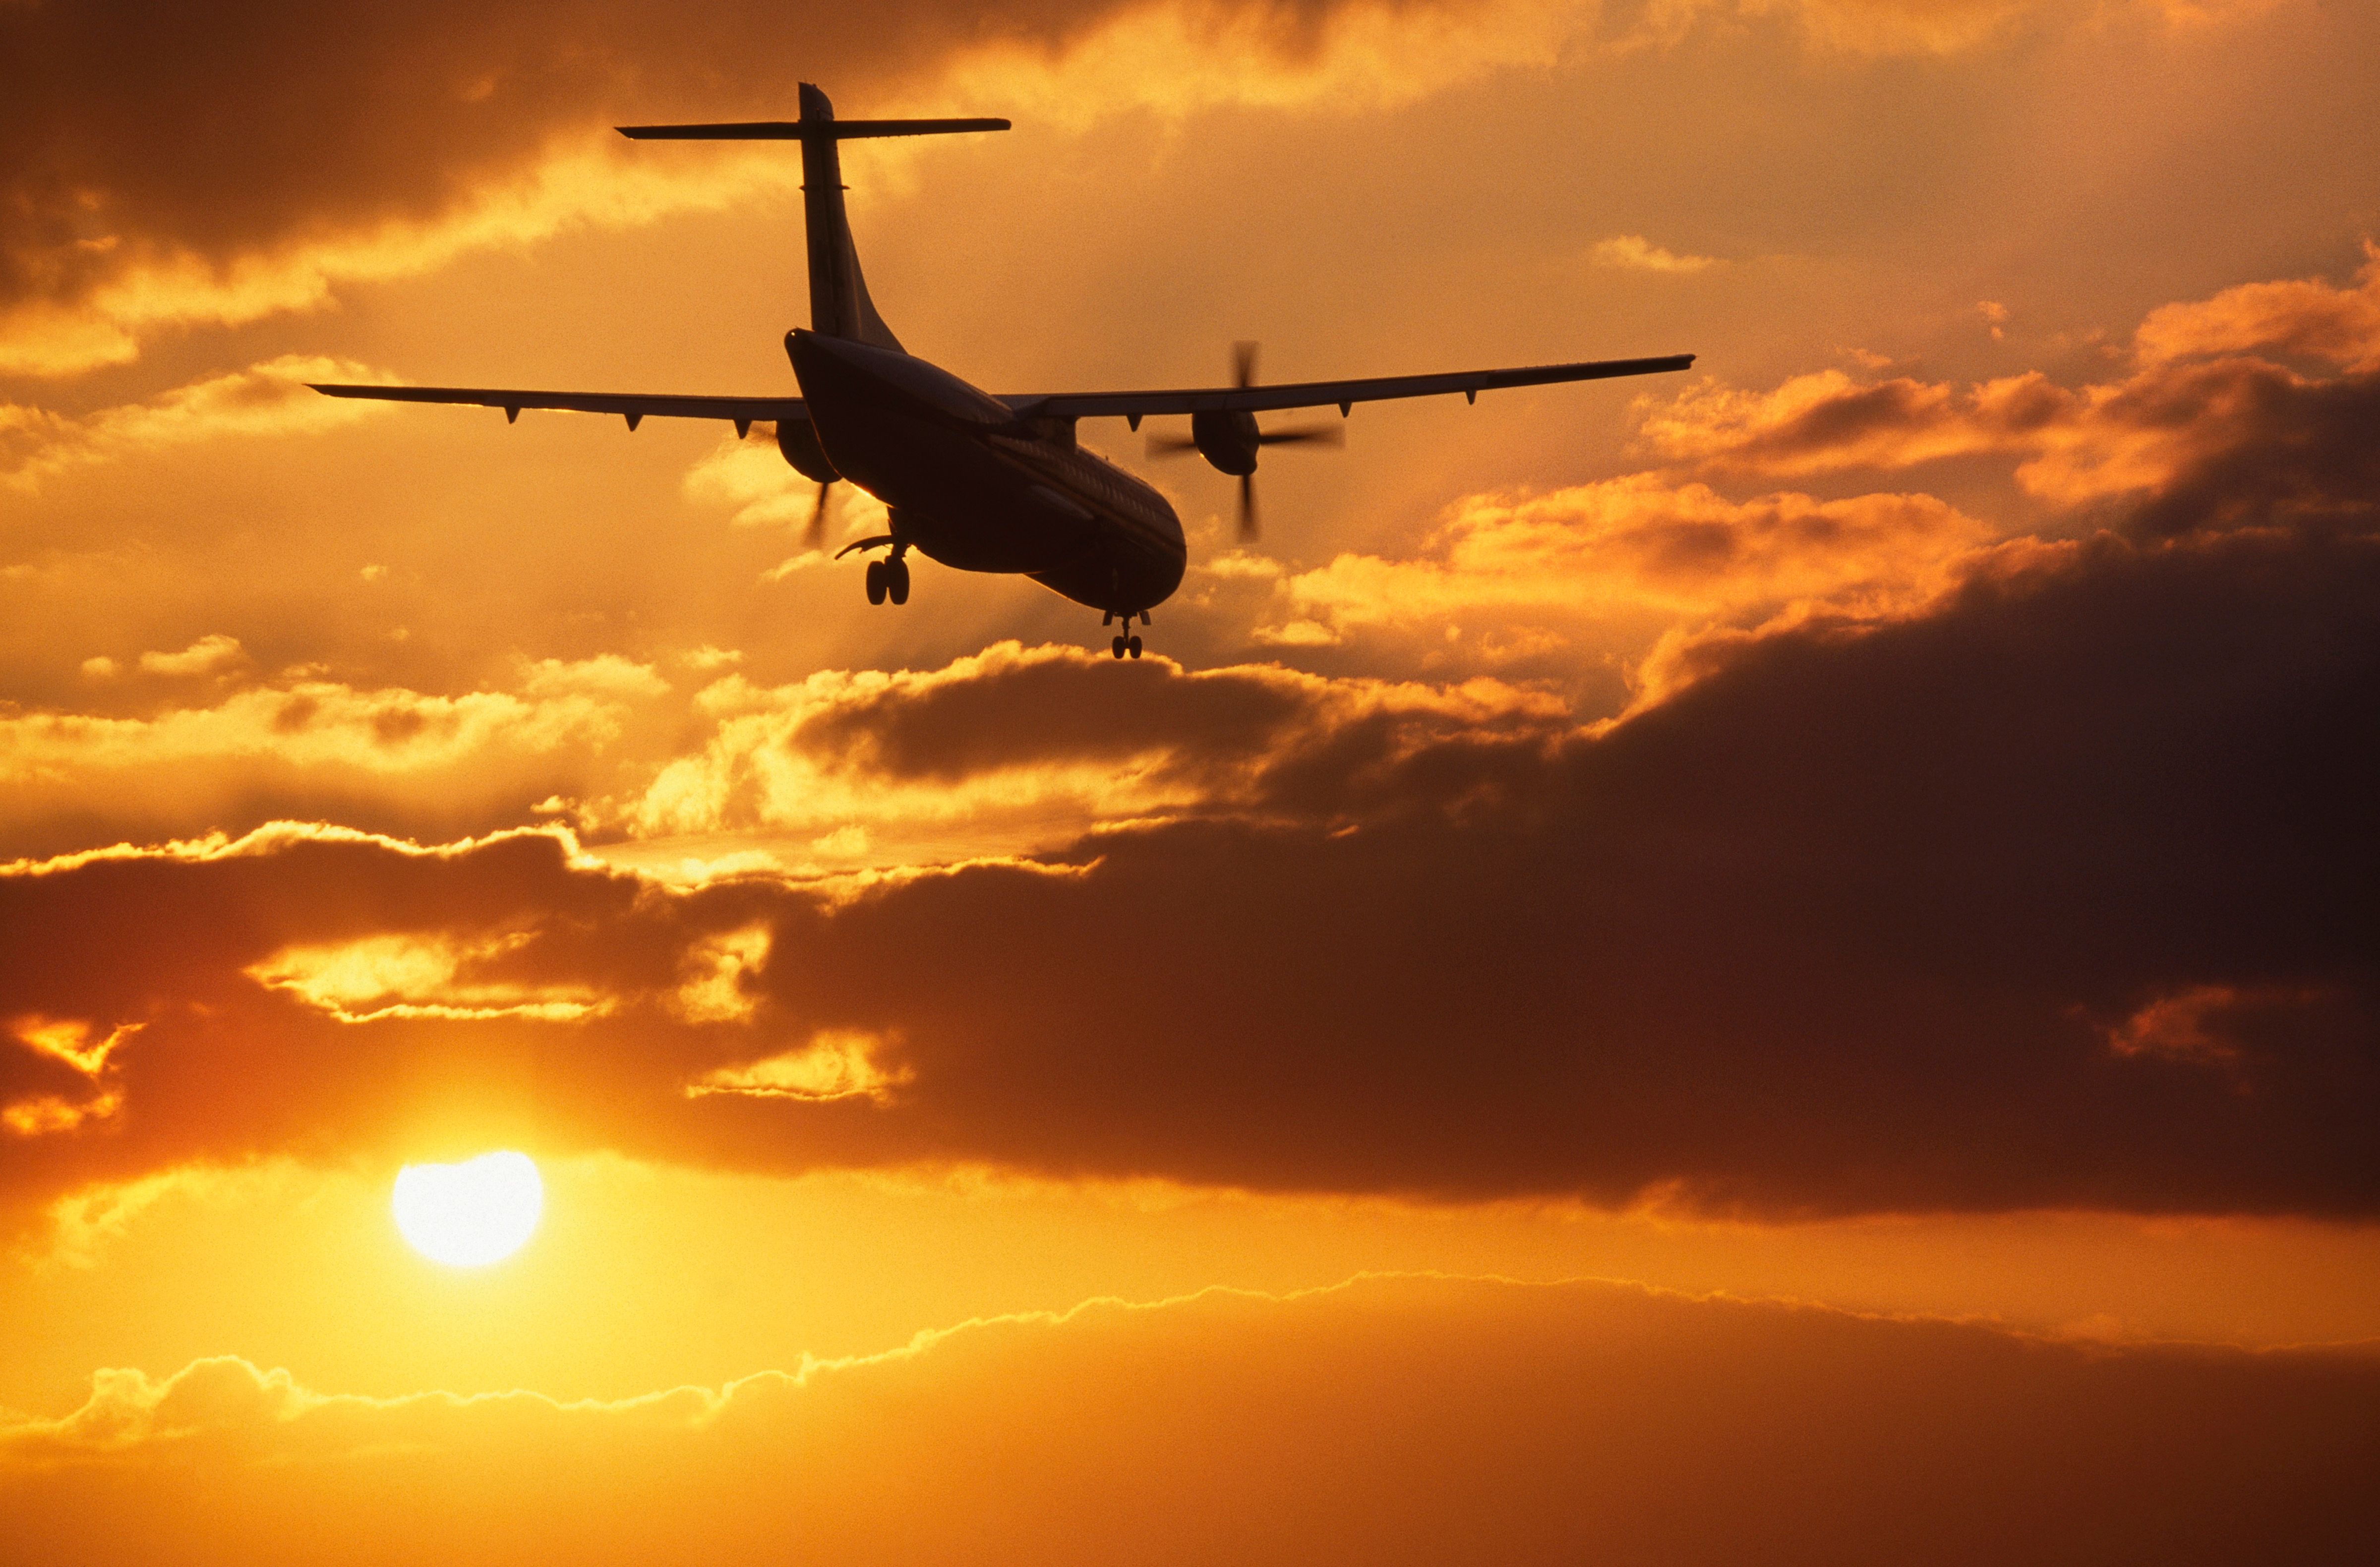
888,579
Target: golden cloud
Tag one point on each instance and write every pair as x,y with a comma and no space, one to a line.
70,1043
2198,394
835,1064
268,399
1643,544
211,654
2301,318
478,757
1886,28
1265,1428
1016,745
714,990
1634,252
129,221
420,975
159,286
753,479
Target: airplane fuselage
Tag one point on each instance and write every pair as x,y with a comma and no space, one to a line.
971,486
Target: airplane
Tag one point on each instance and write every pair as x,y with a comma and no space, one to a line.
972,481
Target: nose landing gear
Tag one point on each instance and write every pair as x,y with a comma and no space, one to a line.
1126,642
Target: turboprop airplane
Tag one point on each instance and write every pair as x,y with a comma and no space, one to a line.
972,481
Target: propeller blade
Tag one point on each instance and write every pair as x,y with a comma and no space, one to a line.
1304,434
1247,508
815,538
1244,364
1169,446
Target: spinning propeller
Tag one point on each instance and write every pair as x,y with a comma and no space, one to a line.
799,443
813,537
1230,440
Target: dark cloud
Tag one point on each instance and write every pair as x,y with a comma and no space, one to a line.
2294,449
1884,917
123,148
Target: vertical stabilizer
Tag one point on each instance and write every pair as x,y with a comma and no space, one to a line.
839,303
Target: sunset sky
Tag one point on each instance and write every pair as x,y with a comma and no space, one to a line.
1778,964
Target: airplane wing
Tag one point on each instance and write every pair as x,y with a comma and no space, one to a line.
632,406
1343,394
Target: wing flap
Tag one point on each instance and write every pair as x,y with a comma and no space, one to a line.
1325,393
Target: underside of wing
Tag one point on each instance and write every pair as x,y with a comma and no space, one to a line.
1343,394
744,412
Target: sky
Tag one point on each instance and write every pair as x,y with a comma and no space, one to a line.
1779,963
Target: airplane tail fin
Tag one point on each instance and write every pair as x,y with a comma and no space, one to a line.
839,303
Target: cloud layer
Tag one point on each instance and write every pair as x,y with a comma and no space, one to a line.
1393,1419
1864,915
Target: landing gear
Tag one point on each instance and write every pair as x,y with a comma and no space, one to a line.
1126,642
889,579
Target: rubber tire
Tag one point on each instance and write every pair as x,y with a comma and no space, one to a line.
896,580
1133,646
875,582
1119,646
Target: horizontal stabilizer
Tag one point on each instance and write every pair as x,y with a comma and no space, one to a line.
799,130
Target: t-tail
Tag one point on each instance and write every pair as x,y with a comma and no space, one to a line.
839,303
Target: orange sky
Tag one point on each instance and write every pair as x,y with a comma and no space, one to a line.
1774,964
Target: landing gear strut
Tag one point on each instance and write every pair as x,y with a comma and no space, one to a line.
1126,642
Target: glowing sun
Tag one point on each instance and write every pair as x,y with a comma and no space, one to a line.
470,1214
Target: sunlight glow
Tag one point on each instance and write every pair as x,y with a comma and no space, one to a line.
470,1214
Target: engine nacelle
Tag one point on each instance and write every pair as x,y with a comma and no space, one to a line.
1228,440
798,439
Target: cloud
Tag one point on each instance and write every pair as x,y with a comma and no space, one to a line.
2206,431
140,200
2304,318
1017,746
1889,28
383,977
1643,545
831,1067
267,399
211,654
752,477
1865,913
68,1043
1262,1428
1634,252
392,758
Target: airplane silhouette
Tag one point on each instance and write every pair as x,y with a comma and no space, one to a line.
977,482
